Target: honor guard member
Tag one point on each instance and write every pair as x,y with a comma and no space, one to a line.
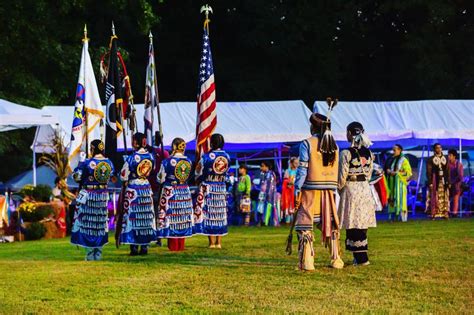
90,227
138,223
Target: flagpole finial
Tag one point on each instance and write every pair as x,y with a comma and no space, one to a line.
85,33
206,9
113,28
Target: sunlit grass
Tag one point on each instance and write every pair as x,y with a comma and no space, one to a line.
420,266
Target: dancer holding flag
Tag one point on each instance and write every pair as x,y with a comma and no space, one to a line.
139,226
211,207
211,204
175,219
152,102
90,228
87,124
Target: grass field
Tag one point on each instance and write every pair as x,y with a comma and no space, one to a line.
420,266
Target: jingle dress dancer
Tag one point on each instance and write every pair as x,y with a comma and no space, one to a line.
356,206
90,227
175,219
315,188
138,223
211,204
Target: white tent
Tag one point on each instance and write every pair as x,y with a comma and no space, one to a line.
245,125
15,116
411,123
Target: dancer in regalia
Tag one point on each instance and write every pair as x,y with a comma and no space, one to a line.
398,174
288,191
138,223
266,206
243,194
356,206
315,187
437,172
175,219
211,204
90,227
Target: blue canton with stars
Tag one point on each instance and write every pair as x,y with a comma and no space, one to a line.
205,68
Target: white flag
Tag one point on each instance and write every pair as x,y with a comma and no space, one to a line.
87,101
151,93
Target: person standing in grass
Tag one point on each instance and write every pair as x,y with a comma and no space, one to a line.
398,173
175,219
356,206
243,191
288,191
315,187
456,177
138,224
437,172
211,204
266,206
90,227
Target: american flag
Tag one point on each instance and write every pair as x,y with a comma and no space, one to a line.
206,99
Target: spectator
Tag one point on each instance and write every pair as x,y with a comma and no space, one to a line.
456,176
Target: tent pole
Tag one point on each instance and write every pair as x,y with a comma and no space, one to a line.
34,156
420,169
460,160
279,161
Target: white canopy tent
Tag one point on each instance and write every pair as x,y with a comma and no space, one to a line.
243,124
410,123
14,116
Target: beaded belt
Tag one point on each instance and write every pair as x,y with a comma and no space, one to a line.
356,178
95,186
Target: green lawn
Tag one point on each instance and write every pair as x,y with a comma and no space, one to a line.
420,266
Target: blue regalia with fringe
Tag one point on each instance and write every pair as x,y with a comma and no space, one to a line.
211,203
176,205
90,227
138,224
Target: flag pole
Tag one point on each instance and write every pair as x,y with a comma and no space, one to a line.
158,112
206,9
84,40
120,107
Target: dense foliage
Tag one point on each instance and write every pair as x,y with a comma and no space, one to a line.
263,50
40,193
